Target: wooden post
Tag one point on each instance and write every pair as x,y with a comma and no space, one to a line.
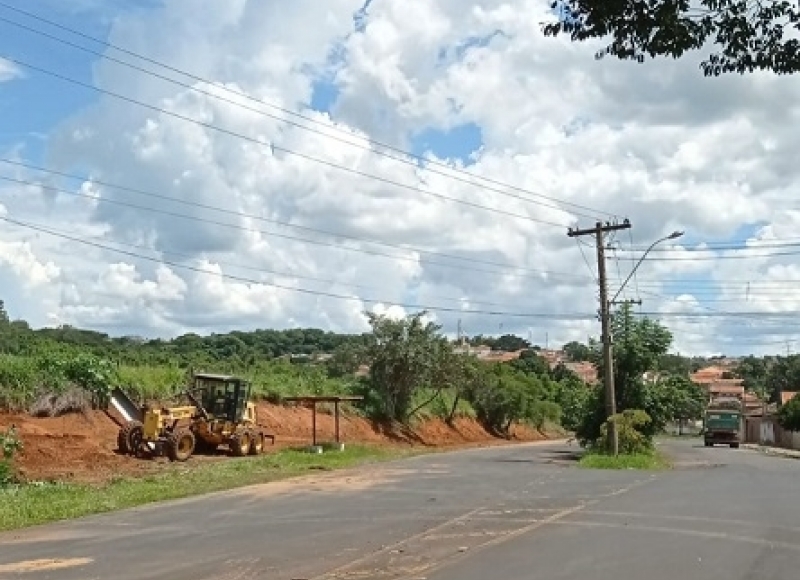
314,423
336,415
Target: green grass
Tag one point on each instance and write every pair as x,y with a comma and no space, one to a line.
27,505
645,461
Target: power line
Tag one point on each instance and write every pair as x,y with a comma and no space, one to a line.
721,257
726,246
279,148
271,234
261,270
701,306
721,314
658,281
374,145
334,234
556,316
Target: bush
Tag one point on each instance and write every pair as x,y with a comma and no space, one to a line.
503,396
632,426
10,445
789,414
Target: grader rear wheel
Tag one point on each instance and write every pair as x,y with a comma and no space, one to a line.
130,437
240,443
257,443
180,445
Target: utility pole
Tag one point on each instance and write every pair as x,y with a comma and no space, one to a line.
599,231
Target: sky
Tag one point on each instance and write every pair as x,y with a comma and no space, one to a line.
239,168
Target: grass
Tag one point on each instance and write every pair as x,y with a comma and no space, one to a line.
643,461
28,505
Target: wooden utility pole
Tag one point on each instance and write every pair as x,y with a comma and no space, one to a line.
599,231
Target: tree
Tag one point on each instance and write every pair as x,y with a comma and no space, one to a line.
754,372
510,343
531,363
679,400
345,360
576,351
783,375
789,414
573,396
503,395
748,35
405,356
638,346
675,364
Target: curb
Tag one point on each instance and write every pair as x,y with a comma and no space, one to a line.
768,450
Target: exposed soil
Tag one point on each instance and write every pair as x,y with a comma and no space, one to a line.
83,447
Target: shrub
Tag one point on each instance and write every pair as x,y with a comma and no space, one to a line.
789,414
10,445
632,434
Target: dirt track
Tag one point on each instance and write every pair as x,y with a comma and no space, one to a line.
83,447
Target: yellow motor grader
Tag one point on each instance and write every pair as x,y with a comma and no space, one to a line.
220,413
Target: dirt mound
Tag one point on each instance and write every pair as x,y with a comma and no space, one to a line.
82,447
73,447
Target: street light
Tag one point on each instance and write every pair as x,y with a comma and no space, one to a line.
608,357
672,236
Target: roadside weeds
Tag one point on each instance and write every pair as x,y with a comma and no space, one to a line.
642,461
37,503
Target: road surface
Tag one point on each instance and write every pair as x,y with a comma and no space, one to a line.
523,512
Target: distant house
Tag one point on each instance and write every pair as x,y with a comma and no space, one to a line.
501,356
586,371
486,354
787,396
553,357
709,375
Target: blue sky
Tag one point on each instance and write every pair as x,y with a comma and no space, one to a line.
31,106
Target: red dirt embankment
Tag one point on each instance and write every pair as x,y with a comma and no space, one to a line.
82,447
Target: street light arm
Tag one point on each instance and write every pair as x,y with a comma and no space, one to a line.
672,236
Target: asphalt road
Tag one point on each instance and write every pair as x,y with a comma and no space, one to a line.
523,512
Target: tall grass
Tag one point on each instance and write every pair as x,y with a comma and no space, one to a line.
27,381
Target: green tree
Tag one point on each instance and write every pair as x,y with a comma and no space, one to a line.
510,343
789,414
532,364
679,399
572,396
502,396
639,343
783,375
747,35
675,364
404,356
346,359
577,351
754,372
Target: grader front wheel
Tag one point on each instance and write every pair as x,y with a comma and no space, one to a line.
130,437
257,444
180,445
240,443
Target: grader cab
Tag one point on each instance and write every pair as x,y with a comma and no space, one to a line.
220,413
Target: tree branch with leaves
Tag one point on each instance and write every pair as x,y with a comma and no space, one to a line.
746,35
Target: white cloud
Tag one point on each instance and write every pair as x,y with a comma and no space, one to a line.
8,70
657,143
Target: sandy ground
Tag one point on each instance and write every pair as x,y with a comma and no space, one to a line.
82,447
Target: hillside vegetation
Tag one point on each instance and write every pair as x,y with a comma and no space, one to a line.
413,371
